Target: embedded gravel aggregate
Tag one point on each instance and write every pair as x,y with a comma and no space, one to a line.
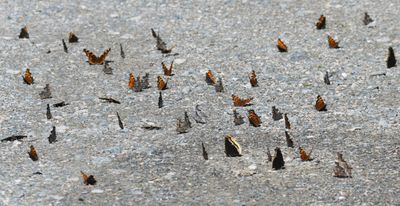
137,166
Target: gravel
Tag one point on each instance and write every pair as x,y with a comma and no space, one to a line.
138,166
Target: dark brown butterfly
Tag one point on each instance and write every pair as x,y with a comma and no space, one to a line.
276,115
232,148
320,104
167,71
181,126
304,156
53,136
93,59
48,112
205,154
391,60
326,78
65,46
210,79
238,102
278,162
122,53
269,156
367,19
88,179
281,46
289,140
72,38
121,125
253,79
160,101
60,104
131,83
24,33
33,154
287,123
28,79
13,138
321,22
254,119
110,100
161,84
332,43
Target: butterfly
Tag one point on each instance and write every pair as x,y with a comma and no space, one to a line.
253,79
33,154
232,148
304,156
110,100
320,104
88,179
219,87
238,119
367,19
254,119
342,168
167,71
53,137
205,154
24,33
276,115
160,101
289,140
281,46
269,156
93,59
332,43
65,46
48,112
161,84
326,78
210,79
28,79
122,53
161,45
287,123
72,38
238,102
131,83
391,60
321,22
46,93
278,162
121,125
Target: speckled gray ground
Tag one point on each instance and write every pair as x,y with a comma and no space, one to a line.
159,167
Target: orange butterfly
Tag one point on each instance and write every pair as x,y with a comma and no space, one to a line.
93,59
210,79
281,46
304,156
332,43
320,104
254,119
131,83
161,84
253,79
321,22
33,154
240,102
167,72
72,38
28,79
88,179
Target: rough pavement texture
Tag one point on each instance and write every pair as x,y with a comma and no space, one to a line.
135,166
